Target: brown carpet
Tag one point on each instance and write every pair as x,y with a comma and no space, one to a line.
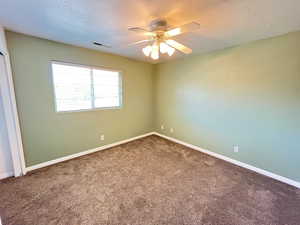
149,181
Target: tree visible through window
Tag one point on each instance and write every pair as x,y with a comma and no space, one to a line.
79,87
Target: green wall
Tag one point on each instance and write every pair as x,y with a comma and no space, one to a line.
247,96
49,135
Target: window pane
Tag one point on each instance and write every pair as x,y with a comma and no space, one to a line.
107,102
106,88
72,87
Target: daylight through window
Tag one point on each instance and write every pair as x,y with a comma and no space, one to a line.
79,87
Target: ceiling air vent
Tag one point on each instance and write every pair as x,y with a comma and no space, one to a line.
101,45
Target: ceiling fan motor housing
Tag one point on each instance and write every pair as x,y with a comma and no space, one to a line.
158,25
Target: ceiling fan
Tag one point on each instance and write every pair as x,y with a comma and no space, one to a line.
159,36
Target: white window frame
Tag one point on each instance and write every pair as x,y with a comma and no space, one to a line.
93,108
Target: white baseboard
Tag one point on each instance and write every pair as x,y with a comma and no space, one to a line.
216,155
65,158
233,161
6,174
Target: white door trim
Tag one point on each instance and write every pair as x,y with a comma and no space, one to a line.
10,111
6,174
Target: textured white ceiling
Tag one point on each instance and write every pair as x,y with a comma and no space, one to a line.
224,23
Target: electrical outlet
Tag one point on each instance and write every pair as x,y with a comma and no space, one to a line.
162,127
102,137
236,148
171,130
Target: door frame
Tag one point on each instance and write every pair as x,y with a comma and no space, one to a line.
10,111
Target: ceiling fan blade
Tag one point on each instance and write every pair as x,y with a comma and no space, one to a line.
141,31
188,27
139,42
179,47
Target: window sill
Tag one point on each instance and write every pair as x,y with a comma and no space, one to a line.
89,110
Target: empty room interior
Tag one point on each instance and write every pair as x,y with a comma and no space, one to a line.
147,112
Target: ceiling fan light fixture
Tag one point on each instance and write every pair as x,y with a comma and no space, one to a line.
170,51
147,50
155,51
163,47
160,35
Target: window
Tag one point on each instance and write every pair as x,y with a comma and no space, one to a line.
79,87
